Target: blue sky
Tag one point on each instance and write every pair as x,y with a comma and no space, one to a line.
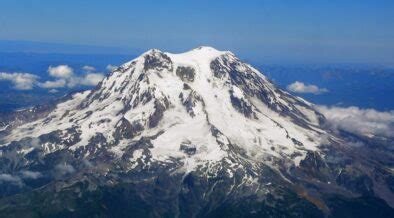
274,31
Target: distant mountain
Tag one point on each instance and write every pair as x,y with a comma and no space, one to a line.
197,134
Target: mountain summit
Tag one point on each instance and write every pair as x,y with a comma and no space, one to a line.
191,134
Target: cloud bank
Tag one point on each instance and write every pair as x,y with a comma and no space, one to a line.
20,81
300,87
66,78
63,76
53,84
8,178
17,180
365,122
31,174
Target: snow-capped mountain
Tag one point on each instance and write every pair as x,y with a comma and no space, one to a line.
212,126
202,101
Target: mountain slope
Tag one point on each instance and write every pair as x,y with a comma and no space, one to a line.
201,129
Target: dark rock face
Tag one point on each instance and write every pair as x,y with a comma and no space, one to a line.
186,86
315,166
157,60
96,144
185,73
241,106
217,69
190,101
155,118
188,148
127,130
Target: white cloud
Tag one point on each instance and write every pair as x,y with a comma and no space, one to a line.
64,78
31,174
67,78
36,143
10,179
88,68
92,79
63,169
53,84
61,71
111,67
300,87
89,79
366,122
21,81
53,91
73,81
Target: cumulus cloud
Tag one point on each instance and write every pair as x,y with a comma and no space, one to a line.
88,68
92,79
8,178
89,79
20,81
111,67
31,174
365,122
63,77
61,71
300,87
66,78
